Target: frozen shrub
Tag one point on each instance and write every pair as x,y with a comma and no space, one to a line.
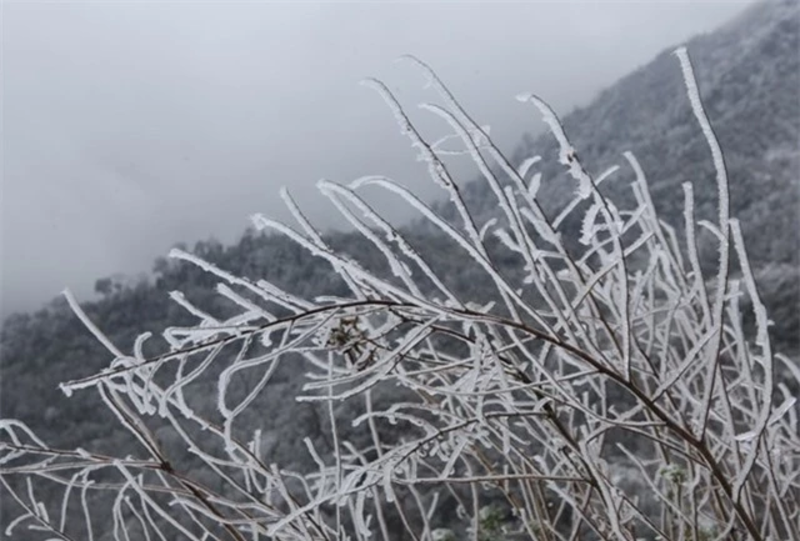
587,367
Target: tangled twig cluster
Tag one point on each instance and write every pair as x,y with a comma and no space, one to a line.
608,393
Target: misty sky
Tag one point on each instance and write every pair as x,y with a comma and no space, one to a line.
129,126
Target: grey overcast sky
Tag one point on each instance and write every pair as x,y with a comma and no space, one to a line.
129,126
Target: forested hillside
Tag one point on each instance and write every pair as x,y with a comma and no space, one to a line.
749,73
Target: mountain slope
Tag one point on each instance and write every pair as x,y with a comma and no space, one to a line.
749,76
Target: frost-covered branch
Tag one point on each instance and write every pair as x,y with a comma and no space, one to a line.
607,391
